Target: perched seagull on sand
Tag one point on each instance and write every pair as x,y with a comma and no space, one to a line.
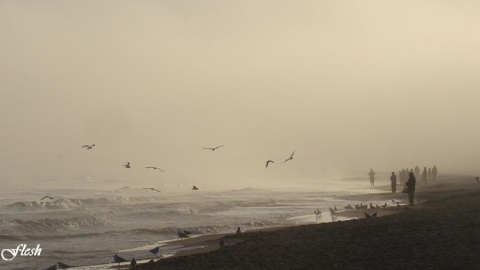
213,148
268,162
477,179
155,168
47,197
183,234
118,259
194,188
151,188
127,165
290,158
155,250
88,147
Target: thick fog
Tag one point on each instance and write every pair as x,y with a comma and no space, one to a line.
348,85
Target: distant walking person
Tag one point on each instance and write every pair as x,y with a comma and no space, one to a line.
434,173
372,178
411,188
429,174
393,179
424,175
417,171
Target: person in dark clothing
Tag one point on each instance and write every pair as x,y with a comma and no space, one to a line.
434,173
393,179
411,188
424,175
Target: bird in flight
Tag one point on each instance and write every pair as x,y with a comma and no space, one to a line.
268,162
194,188
47,197
127,165
213,148
151,188
155,168
88,147
290,158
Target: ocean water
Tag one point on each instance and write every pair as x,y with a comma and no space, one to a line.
82,226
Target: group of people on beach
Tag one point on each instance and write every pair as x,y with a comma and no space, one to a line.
409,177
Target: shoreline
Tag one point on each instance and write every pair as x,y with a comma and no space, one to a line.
436,200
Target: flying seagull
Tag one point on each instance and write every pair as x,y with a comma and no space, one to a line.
155,168
151,188
477,179
194,188
213,148
127,165
290,158
47,197
88,147
268,162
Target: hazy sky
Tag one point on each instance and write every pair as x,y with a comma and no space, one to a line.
350,85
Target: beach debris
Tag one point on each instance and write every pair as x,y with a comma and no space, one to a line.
155,250
119,259
268,162
155,168
290,158
153,189
88,147
47,197
213,148
194,188
127,165
58,265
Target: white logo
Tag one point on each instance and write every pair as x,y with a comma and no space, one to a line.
22,250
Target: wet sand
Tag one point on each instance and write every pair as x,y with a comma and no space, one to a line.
441,232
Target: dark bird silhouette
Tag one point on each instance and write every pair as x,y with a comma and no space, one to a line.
290,158
118,259
477,179
155,168
127,165
268,162
213,148
47,197
183,234
58,265
151,188
155,250
88,147
194,188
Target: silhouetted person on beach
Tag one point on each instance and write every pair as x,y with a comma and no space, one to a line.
429,174
434,173
417,171
372,178
393,179
411,188
133,263
424,175
239,231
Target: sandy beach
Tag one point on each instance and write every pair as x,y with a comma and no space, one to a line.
441,232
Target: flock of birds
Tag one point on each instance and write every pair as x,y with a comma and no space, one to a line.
128,165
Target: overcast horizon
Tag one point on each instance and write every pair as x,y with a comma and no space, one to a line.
348,85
